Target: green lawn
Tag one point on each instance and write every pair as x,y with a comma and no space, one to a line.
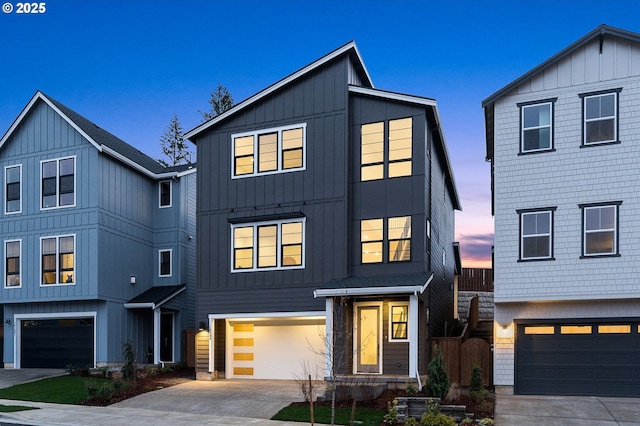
14,408
58,390
300,413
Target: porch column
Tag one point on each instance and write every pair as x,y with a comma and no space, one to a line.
156,336
413,337
328,336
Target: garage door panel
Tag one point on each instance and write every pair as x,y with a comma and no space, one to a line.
54,343
602,364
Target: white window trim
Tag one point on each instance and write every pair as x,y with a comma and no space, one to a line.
614,117
390,335
255,134
5,189
160,263
550,234
615,251
75,187
160,194
75,252
550,126
6,286
255,226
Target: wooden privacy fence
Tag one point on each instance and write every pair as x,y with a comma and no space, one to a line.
461,354
475,279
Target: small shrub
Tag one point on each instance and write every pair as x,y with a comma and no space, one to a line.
92,388
129,369
71,369
411,422
106,391
410,389
466,421
118,385
486,422
476,391
432,419
438,382
391,418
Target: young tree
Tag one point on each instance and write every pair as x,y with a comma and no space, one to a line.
174,147
221,101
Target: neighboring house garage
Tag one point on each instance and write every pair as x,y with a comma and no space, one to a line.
56,342
598,358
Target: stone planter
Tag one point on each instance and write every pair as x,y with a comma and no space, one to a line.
416,406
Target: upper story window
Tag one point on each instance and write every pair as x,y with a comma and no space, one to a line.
536,234
398,149
165,193
12,255
13,189
276,150
600,113
58,183
164,262
398,321
536,133
268,245
600,229
398,242
58,259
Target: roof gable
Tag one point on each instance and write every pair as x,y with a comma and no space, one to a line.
102,140
348,49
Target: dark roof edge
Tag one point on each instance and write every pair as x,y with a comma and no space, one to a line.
600,30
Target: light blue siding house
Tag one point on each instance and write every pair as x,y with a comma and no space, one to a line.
98,245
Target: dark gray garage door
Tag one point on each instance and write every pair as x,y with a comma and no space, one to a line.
57,343
582,358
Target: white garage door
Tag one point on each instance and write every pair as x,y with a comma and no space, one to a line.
275,349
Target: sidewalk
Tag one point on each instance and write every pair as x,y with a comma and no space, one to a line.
78,415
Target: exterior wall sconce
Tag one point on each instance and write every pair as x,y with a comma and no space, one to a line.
132,280
202,326
7,321
505,332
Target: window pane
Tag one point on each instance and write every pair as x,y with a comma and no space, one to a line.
267,246
243,259
398,169
243,152
537,139
372,143
243,237
49,246
165,193
268,152
291,233
399,227
292,159
372,252
13,174
600,131
399,250
13,249
49,186
539,329
614,329
67,277
400,139
600,242
165,262
537,115
607,105
575,329
371,230
292,255
66,167
372,172
292,138
534,247
49,169
600,218
66,245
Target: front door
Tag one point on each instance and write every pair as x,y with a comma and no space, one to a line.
368,339
166,337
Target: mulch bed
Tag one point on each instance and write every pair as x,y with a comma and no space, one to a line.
145,383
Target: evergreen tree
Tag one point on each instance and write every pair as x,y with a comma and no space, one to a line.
174,147
221,101
438,382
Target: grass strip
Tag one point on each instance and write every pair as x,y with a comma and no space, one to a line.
14,408
322,414
57,390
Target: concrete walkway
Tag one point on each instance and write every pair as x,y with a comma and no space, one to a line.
523,410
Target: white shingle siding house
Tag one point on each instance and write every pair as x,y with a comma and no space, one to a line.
563,141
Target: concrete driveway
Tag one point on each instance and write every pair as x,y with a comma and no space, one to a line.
258,399
523,410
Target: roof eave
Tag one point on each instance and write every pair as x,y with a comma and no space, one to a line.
372,291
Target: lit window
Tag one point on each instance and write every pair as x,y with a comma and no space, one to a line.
13,189
536,230
58,183
575,329
600,113
614,329
537,127
399,229
400,137
12,251
277,245
600,229
58,260
371,235
165,193
398,321
164,261
274,150
372,136
539,329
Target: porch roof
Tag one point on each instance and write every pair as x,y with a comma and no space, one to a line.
376,285
155,296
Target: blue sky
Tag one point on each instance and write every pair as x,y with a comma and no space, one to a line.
129,65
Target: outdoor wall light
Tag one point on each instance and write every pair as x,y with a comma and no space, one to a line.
132,280
505,332
7,321
202,326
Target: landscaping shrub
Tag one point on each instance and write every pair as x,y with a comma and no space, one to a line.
438,382
129,369
476,391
